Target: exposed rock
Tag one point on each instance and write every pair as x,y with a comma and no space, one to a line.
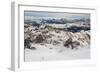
56,42
33,48
45,31
27,43
75,44
55,36
68,42
42,44
72,44
39,38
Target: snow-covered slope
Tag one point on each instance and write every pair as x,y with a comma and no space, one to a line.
50,43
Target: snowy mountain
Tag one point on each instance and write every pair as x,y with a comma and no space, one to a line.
54,42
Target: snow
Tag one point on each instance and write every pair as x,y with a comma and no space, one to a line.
57,25
47,50
56,53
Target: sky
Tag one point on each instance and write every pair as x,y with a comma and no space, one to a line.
56,14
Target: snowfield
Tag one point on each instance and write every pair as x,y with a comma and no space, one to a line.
53,43
59,53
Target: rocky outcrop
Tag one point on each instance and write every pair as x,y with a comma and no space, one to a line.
73,44
39,38
49,35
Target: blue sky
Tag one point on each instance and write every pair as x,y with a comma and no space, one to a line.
56,14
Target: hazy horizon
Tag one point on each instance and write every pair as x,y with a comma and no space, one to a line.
43,14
